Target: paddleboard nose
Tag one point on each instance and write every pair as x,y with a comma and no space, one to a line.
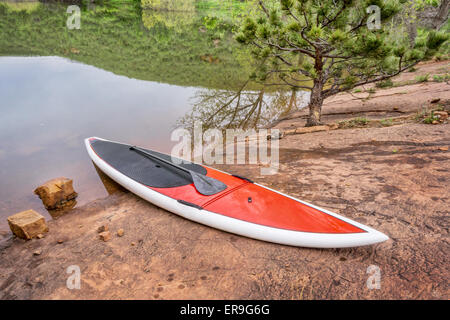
381,237
90,139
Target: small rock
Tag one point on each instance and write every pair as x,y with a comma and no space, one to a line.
37,253
119,282
60,241
120,232
105,236
443,148
103,228
435,100
336,282
442,115
27,224
56,192
40,236
435,122
80,226
133,244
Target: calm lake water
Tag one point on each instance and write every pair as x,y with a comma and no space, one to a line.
50,104
127,74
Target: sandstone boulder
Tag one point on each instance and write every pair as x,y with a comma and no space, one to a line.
303,130
27,224
56,193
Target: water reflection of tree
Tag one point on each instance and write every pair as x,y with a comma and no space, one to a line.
243,109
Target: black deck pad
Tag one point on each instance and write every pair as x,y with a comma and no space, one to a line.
152,173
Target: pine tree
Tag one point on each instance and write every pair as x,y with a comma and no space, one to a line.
331,46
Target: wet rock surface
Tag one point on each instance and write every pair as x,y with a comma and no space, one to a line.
354,172
394,179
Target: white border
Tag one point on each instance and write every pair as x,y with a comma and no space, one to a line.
243,228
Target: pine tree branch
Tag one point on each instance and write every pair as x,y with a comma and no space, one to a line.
264,8
344,6
338,89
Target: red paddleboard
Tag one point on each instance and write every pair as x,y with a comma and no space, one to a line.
243,207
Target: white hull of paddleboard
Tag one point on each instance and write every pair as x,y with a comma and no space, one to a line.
240,227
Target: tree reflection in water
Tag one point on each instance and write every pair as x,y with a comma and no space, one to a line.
242,108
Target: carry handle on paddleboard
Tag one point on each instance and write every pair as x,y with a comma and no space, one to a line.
204,184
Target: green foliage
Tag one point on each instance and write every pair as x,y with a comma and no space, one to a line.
423,78
385,84
329,43
435,39
360,121
420,114
169,5
163,46
429,118
441,78
421,4
353,123
432,42
386,122
22,6
176,21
